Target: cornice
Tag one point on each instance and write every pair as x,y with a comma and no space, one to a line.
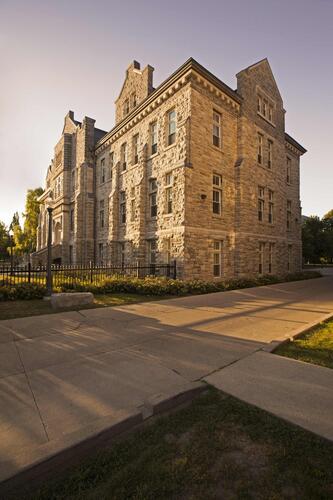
176,81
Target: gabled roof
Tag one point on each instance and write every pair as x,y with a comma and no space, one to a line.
263,61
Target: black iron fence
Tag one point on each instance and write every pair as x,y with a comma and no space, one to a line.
85,274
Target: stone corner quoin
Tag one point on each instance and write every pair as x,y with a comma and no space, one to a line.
192,171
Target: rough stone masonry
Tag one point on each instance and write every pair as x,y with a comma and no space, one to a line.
192,170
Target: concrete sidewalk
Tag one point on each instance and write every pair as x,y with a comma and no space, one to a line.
61,373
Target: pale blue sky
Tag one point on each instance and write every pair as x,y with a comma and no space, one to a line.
63,55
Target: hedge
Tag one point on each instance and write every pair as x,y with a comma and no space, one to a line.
150,285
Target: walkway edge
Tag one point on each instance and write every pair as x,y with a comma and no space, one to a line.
47,461
274,344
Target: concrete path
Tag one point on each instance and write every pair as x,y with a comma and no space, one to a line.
63,372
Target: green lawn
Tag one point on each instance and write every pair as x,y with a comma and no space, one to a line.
217,447
314,347
20,308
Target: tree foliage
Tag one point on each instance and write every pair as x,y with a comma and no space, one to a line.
4,241
317,238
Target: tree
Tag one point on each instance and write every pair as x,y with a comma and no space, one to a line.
313,239
31,219
4,241
18,236
328,230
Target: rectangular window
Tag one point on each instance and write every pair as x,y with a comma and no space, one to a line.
270,206
290,251
270,257
111,165
167,246
71,254
133,204
261,257
269,153
168,192
171,127
73,180
217,194
288,171
134,100
259,103
135,149
102,171
260,149
270,113
152,250
288,214
264,107
216,129
153,198
217,258
122,207
126,107
122,254
153,137
101,214
261,203
123,156
101,253
71,219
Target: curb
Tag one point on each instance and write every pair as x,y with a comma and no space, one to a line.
274,344
34,466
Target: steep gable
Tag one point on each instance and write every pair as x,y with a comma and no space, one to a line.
136,87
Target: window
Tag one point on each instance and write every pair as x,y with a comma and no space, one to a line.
122,254
122,207
134,100
126,107
167,246
152,247
264,107
101,214
171,127
269,153
168,192
133,204
261,257
135,149
153,198
57,187
123,154
217,194
102,171
73,180
270,257
270,113
290,251
288,214
261,203
153,137
259,103
216,129
260,149
288,171
270,206
71,254
71,219
101,253
217,258
111,164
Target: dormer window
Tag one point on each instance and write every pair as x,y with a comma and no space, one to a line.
265,107
134,100
126,107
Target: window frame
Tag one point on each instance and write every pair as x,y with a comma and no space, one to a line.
217,191
261,203
171,127
217,127
169,183
269,154
261,256
218,253
260,155
270,206
122,207
135,146
123,156
152,192
153,131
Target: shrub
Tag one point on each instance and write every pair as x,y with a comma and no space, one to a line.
22,291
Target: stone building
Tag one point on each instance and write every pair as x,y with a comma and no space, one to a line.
192,170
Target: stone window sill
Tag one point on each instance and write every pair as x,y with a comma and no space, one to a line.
151,157
170,147
266,119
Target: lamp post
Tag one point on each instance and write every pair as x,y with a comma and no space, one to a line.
11,233
49,253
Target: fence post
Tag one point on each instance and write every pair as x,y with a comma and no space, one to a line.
91,272
174,269
137,269
29,272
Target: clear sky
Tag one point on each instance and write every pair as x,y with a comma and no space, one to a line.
70,54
